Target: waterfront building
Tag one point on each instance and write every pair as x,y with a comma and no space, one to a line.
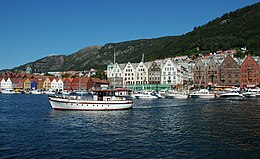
249,73
83,83
27,84
99,84
169,74
115,74
141,73
199,74
9,84
89,83
20,84
40,83
15,82
47,83
67,83
212,72
75,84
60,84
154,73
229,72
129,74
2,83
34,84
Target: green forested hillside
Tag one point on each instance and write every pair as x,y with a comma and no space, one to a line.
237,29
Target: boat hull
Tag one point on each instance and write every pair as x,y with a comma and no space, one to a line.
207,96
177,96
231,96
68,104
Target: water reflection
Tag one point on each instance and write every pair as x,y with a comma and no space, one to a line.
163,128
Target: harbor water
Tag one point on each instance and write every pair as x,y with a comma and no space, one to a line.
164,128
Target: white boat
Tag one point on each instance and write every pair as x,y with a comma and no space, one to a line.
147,95
232,94
101,100
176,95
202,93
49,92
36,92
8,91
252,93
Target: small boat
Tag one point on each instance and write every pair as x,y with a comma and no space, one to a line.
36,92
8,91
49,92
232,94
176,95
147,95
202,93
252,93
100,100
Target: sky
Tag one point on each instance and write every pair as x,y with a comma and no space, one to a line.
33,29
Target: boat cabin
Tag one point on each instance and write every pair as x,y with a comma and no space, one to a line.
117,94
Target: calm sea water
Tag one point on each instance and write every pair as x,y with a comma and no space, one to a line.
166,128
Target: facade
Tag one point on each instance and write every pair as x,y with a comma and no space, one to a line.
27,84
212,70
67,83
141,72
75,84
59,84
34,85
20,84
83,83
199,74
9,84
40,83
169,73
129,74
2,83
47,83
115,75
249,73
154,74
99,84
229,72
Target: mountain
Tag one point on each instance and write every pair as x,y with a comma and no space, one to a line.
240,28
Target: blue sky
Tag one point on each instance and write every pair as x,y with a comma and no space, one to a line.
33,29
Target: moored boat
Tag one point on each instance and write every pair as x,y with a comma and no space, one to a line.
8,91
147,95
176,95
202,93
232,94
101,100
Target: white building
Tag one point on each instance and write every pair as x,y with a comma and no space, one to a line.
54,84
60,84
115,74
129,74
9,84
169,73
141,73
2,84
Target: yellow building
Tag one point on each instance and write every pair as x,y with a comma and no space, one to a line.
47,83
27,84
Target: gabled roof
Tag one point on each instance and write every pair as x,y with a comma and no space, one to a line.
15,80
97,80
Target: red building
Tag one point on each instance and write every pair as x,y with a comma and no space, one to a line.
67,83
249,73
86,83
229,72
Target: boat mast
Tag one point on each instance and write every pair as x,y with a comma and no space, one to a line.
114,68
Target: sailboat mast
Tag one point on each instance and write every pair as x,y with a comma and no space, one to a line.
114,68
